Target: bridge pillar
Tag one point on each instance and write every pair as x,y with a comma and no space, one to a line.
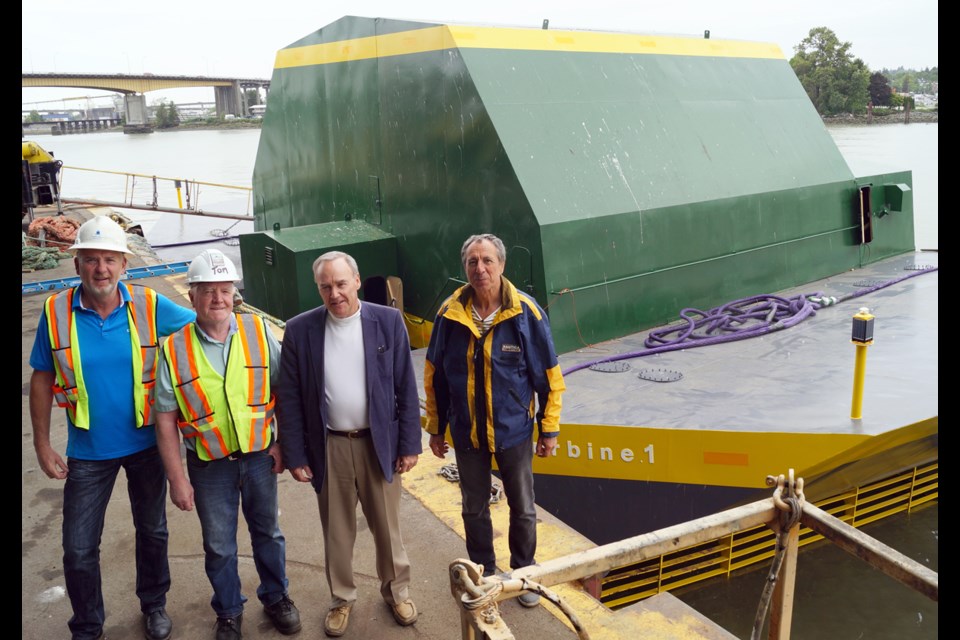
135,110
228,100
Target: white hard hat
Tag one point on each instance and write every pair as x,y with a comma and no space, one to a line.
212,266
100,232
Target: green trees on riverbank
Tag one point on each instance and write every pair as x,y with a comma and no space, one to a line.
167,115
839,83
835,81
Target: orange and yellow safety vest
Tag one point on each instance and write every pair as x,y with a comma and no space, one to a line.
229,412
69,389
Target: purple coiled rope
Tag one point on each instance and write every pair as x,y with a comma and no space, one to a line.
738,320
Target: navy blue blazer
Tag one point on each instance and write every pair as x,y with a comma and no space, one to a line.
392,396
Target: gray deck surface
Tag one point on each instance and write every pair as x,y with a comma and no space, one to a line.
796,380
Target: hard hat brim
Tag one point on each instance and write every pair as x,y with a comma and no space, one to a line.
103,246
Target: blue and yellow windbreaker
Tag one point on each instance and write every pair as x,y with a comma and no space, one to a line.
485,388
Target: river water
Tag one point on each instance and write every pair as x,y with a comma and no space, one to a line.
838,596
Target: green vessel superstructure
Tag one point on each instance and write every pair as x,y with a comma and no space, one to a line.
628,175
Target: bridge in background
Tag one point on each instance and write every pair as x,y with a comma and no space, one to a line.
229,93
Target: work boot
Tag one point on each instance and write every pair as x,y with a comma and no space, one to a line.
283,615
229,628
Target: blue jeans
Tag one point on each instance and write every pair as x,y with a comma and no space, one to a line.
219,486
85,497
516,473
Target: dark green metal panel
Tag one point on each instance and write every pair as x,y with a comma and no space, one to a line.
642,183
446,176
327,180
595,134
420,158
278,265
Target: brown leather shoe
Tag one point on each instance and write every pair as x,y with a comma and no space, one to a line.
405,613
335,624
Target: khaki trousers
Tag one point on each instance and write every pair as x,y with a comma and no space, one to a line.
353,473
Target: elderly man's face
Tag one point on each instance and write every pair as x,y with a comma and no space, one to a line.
213,301
339,287
483,267
100,271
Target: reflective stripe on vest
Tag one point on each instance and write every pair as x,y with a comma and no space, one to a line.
142,313
230,412
259,407
68,389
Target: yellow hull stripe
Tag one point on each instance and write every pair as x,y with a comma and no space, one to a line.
878,444
688,456
440,38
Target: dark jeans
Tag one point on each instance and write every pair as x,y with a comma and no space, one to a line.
85,497
220,487
516,472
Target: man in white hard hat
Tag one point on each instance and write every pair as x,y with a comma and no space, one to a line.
214,383
95,352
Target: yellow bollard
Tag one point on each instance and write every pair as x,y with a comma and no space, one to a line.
176,183
862,337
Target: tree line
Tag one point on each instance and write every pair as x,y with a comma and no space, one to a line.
838,83
167,115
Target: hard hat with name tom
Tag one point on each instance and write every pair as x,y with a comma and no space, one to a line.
100,232
212,266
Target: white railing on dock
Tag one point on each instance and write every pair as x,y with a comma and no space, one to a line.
144,192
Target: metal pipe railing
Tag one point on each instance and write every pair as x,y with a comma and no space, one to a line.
893,563
649,545
478,597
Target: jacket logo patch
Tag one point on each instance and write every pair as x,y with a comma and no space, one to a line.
510,348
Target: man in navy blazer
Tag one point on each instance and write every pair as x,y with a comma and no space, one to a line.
349,422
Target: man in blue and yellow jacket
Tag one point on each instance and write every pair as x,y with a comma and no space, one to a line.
491,372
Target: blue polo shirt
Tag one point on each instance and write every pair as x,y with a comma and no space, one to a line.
108,376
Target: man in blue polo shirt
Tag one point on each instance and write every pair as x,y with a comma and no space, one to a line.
95,353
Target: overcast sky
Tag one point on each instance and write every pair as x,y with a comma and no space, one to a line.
241,38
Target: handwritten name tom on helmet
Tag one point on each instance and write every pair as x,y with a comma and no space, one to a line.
212,266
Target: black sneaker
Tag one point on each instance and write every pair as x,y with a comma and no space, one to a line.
229,628
283,615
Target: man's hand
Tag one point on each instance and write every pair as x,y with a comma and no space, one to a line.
302,474
277,455
51,463
181,493
545,446
439,446
405,463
